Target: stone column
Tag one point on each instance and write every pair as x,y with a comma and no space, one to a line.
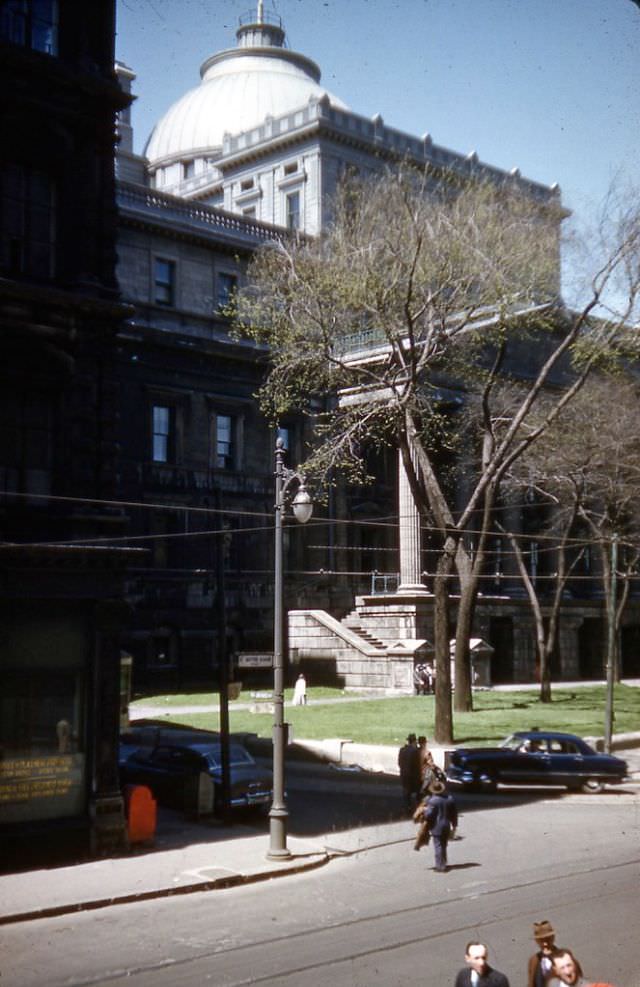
409,537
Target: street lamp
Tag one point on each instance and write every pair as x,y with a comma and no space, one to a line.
302,506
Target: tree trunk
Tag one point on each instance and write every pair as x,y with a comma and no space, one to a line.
463,696
443,732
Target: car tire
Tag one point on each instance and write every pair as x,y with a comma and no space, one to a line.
486,784
592,786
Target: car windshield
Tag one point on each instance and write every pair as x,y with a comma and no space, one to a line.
513,742
238,756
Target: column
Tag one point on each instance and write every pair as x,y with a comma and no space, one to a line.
409,536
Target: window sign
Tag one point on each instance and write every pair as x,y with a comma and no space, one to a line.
42,701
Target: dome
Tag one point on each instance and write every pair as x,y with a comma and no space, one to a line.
240,87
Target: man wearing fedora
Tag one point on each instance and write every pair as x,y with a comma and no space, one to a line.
441,816
409,768
540,968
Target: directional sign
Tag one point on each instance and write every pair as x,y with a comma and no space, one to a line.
255,659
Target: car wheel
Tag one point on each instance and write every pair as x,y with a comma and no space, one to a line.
486,784
592,786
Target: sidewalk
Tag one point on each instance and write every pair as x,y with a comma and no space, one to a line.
229,856
201,856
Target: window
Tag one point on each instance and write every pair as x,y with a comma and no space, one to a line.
163,433
30,23
27,221
246,185
26,441
227,285
293,211
164,281
224,439
188,169
291,169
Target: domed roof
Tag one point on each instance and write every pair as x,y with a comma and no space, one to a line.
240,87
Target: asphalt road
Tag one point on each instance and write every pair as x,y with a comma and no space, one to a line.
378,915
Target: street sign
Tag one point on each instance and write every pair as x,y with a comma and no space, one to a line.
254,659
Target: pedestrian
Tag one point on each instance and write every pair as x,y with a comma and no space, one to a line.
429,772
430,677
566,970
419,679
409,767
441,815
300,691
539,968
477,972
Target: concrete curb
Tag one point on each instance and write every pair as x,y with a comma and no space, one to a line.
233,880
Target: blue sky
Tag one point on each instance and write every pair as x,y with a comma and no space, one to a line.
549,86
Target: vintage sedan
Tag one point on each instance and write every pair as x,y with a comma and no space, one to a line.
171,771
535,757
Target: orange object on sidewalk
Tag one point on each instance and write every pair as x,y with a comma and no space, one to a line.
141,811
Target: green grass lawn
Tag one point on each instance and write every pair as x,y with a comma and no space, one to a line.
388,721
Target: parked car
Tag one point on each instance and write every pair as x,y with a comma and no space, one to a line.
171,770
536,758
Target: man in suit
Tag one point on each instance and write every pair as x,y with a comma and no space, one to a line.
441,816
540,966
477,972
409,767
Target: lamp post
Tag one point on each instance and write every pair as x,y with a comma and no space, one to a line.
302,509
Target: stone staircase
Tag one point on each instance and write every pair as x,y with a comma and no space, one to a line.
353,623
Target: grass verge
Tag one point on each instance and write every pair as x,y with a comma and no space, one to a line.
388,721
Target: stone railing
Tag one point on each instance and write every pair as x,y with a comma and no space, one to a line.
147,202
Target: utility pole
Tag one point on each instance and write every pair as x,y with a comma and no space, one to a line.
611,646
223,665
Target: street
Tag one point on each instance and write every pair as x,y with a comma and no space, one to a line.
378,915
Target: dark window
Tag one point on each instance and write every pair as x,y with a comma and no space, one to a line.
30,23
188,169
225,445
164,281
163,433
291,169
26,440
227,285
27,221
293,211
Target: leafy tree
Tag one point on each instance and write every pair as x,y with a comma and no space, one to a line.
421,284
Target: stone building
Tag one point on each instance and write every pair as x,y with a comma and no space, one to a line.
256,150
62,607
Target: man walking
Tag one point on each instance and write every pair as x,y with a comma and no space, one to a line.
441,816
477,972
566,970
409,766
539,969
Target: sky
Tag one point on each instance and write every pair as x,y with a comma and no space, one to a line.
551,87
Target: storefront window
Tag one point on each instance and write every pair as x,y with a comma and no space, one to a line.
42,685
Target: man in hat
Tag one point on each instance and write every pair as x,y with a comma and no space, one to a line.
441,816
410,774
540,967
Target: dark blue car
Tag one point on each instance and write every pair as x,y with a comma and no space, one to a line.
171,770
536,757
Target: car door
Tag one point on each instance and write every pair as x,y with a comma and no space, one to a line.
566,764
527,766
170,768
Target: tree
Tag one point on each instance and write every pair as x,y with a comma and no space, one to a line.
586,469
417,284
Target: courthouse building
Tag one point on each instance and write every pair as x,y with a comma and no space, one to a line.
253,152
